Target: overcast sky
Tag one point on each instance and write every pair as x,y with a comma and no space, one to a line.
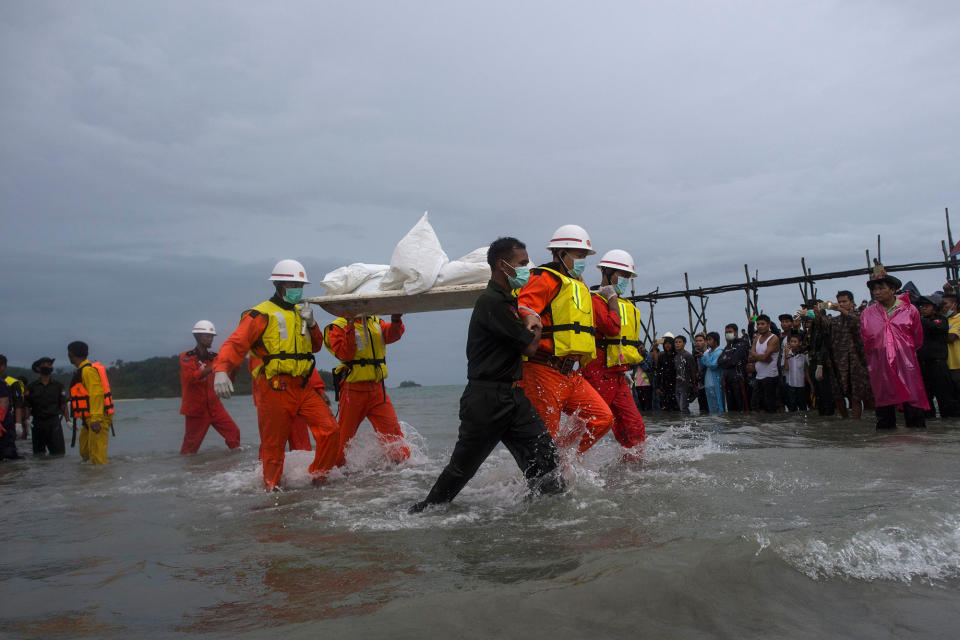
158,158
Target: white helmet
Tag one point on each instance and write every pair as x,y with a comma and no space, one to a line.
205,326
620,260
289,271
668,335
571,236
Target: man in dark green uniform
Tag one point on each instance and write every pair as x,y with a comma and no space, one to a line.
493,408
46,401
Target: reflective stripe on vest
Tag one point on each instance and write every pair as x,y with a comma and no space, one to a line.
80,397
571,319
288,352
624,348
369,363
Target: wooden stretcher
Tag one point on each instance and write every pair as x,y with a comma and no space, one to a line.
385,303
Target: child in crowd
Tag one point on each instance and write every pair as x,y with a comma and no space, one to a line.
797,376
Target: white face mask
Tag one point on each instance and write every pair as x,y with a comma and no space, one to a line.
731,336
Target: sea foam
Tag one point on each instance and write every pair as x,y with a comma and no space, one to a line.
929,552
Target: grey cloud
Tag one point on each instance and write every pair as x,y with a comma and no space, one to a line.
185,143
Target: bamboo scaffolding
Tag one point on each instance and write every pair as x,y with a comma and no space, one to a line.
754,283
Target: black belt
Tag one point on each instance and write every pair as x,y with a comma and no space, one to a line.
563,365
576,327
366,361
607,342
493,384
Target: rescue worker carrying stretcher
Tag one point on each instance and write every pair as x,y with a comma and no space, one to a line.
273,332
493,408
200,405
92,402
618,342
360,346
552,378
299,439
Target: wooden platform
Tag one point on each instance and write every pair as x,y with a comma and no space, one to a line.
384,303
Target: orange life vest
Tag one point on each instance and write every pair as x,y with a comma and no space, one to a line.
80,397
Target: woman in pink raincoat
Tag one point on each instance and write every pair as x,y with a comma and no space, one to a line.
892,333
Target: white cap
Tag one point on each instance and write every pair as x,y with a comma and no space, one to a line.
571,236
668,335
289,271
620,260
205,326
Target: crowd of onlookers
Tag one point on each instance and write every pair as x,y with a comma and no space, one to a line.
819,358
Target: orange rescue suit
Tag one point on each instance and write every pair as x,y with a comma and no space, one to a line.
366,399
628,426
200,405
553,392
281,398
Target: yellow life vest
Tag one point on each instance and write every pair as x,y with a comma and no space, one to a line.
369,363
624,348
288,352
571,315
15,383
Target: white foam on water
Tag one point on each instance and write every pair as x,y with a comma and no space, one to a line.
680,444
928,552
763,539
296,470
365,455
246,479
357,500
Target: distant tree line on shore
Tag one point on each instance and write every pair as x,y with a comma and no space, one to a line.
151,378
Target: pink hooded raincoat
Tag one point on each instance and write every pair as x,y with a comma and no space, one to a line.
891,345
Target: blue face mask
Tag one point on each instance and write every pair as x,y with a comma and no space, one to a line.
621,286
579,264
517,281
293,296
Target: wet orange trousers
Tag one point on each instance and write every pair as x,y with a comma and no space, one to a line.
299,431
280,400
196,428
628,426
553,393
299,435
359,400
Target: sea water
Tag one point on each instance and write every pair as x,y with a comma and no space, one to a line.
793,526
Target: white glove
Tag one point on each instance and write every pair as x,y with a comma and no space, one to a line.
818,375
628,376
222,384
306,314
19,431
607,291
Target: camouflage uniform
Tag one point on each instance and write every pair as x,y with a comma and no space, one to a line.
848,363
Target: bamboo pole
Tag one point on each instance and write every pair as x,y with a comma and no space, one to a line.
777,282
